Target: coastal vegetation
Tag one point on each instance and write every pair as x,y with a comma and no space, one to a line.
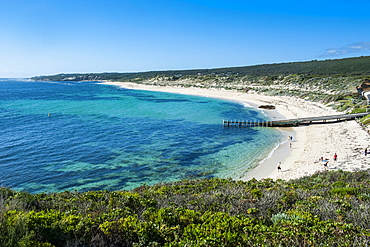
357,66
326,209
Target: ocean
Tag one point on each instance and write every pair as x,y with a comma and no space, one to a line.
81,136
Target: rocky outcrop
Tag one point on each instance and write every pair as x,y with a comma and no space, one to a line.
364,89
268,107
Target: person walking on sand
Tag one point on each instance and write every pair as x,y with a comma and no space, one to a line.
335,157
279,166
326,161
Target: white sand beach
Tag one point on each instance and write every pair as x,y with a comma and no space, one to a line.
347,139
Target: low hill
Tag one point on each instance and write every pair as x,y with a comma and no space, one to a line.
357,66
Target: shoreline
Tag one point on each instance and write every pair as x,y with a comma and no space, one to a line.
309,143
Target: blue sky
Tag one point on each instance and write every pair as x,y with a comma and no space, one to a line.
42,37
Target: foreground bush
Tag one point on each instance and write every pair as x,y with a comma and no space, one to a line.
326,209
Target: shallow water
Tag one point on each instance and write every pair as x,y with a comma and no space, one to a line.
58,136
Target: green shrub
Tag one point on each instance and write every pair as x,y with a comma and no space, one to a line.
344,191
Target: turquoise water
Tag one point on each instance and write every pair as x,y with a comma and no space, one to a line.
58,136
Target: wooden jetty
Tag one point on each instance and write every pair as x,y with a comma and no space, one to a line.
294,122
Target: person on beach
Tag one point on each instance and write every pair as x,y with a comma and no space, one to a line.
321,159
279,166
335,157
326,161
290,145
365,152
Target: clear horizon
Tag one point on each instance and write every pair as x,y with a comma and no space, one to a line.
51,37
